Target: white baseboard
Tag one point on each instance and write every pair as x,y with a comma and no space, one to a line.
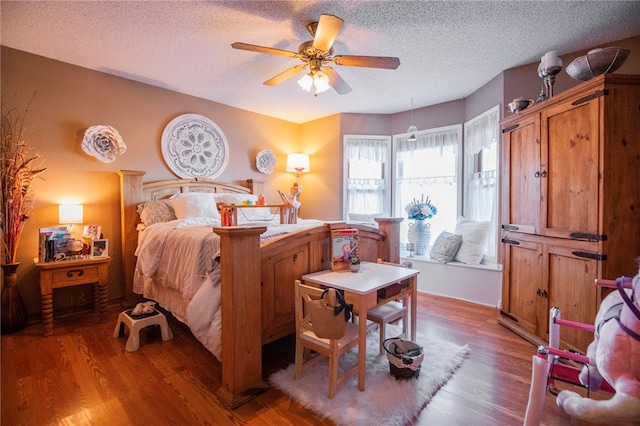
480,284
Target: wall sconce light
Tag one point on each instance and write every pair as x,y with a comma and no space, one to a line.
298,163
70,214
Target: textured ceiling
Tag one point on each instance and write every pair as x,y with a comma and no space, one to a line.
447,49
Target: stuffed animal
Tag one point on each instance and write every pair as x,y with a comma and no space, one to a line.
616,358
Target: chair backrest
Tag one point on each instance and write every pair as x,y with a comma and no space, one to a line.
319,315
303,318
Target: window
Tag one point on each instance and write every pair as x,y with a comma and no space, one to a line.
457,181
481,173
366,169
429,166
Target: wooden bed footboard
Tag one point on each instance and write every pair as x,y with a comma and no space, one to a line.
256,280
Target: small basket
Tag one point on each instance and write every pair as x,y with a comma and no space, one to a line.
405,358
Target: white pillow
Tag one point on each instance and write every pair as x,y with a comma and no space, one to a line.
474,240
445,247
195,204
246,214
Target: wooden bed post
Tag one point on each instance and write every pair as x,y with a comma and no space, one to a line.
130,196
391,227
241,314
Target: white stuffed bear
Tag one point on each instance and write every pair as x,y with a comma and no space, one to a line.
616,352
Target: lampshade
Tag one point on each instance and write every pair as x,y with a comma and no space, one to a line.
412,129
315,78
298,163
321,81
412,133
70,213
306,82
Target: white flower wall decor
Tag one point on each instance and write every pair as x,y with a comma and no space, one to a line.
104,143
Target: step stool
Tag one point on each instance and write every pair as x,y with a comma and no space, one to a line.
136,323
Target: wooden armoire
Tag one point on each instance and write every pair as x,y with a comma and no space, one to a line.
570,204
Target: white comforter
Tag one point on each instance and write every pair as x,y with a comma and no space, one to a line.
177,267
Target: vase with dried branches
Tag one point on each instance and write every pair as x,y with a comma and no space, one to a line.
20,165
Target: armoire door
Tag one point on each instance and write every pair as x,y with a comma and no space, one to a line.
521,175
569,169
523,288
572,288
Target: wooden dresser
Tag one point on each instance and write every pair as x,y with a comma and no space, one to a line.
570,204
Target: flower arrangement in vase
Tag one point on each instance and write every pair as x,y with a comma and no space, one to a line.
420,232
20,165
421,209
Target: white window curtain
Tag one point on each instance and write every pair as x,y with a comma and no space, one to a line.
366,177
429,166
481,135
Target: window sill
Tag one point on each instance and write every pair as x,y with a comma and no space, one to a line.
490,266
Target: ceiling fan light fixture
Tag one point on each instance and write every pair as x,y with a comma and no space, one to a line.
321,82
306,82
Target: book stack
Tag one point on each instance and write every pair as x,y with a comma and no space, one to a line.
53,244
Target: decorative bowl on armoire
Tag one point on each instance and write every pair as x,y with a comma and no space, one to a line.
596,62
518,104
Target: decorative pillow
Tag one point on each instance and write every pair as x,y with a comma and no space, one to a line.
155,212
445,247
474,239
246,214
195,204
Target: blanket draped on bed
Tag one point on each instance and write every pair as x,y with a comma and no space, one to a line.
177,266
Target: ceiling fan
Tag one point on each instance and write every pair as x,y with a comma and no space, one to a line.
316,54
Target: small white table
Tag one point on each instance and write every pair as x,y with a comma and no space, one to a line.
361,289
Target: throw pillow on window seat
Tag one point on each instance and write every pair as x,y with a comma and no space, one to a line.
474,240
445,247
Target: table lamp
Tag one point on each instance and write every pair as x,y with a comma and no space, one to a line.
70,214
298,163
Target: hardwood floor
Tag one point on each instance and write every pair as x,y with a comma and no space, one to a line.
83,376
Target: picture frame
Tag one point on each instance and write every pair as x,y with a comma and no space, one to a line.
100,248
92,232
344,245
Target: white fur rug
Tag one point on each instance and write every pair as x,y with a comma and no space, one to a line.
386,401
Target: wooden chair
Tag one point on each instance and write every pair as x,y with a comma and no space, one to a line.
311,349
394,309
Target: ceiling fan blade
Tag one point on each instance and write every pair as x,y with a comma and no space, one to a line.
387,62
285,75
262,49
328,28
335,81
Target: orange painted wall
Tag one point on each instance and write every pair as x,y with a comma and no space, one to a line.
69,99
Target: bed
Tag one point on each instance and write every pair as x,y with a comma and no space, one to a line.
257,298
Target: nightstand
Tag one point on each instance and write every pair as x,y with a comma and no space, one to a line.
68,273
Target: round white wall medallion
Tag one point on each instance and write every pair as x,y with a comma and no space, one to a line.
265,161
194,146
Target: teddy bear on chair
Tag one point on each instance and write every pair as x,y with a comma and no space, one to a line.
615,352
